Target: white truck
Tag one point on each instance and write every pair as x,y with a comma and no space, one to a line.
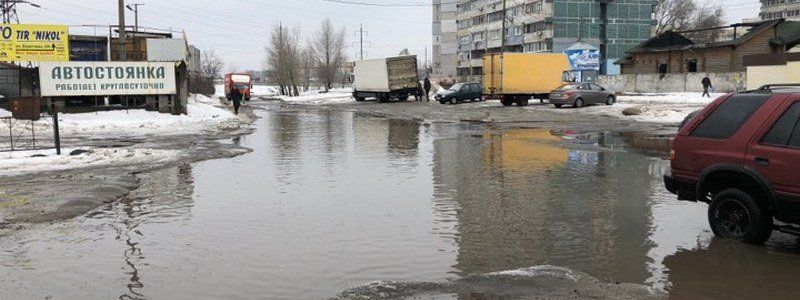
387,78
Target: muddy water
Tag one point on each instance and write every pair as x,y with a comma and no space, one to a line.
330,201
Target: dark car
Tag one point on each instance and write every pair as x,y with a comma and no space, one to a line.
461,92
581,94
741,155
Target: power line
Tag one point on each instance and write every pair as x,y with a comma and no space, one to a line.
386,4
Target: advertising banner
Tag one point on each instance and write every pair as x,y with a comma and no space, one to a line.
586,59
26,42
107,78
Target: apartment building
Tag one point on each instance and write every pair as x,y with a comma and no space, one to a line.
550,26
780,9
445,38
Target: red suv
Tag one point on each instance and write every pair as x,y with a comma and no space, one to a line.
741,154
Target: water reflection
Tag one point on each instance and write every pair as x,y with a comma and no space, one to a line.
163,196
527,200
724,269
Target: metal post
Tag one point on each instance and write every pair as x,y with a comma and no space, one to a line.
122,31
604,36
56,133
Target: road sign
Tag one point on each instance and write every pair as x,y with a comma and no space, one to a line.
28,42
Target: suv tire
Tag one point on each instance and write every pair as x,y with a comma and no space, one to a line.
734,214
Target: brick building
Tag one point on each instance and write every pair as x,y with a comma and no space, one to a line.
673,52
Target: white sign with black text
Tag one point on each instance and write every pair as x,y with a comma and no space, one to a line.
60,79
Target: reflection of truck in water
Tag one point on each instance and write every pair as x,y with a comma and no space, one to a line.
386,79
242,82
524,150
518,77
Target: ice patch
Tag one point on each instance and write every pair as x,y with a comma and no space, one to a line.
540,271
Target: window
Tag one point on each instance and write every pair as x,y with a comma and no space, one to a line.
729,116
780,133
476,88
597,88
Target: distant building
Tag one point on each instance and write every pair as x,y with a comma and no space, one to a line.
194,59
550,26
673,52
445,38
780,9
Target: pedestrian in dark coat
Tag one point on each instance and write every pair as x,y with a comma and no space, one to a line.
236,98
706,86
427,86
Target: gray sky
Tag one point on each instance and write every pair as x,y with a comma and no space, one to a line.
238,29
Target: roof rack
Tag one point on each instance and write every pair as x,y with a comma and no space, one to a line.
781,86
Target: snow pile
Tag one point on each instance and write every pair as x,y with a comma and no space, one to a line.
317,97
4,113
15,163
202,117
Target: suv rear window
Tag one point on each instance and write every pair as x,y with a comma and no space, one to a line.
781,133
729,116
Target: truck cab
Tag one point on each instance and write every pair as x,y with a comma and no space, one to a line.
241,82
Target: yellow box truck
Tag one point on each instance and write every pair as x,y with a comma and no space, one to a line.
518,77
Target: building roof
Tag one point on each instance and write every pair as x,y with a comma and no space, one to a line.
788,37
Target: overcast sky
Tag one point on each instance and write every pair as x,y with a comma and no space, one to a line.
238,29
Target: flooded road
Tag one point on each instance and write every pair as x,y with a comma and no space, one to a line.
330,201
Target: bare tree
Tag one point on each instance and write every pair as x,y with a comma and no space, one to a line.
683,15
308,64
211,64
282,58
329,49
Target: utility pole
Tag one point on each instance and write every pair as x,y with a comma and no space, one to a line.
603,36
135,9
122,32
503,31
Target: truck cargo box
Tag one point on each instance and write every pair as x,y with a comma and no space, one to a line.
518,76
393,77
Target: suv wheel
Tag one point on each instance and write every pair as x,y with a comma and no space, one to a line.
734,214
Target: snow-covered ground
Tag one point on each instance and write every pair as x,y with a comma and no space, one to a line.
16,163
205,116
4,113
669,108
258,91
316,97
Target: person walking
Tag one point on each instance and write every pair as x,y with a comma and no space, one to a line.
706,86
427,86
236,98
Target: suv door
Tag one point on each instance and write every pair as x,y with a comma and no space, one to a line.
775,153
475,92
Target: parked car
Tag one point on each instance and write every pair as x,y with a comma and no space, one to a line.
741,155
461,92
581,94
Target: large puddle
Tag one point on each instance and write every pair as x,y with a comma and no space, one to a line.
336,202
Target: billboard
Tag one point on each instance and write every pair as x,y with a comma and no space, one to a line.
166,50
106,78
584,59
27,42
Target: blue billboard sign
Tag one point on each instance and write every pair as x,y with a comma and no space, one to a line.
584,59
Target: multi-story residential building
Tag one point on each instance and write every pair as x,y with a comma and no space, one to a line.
780,9
445,38
550,26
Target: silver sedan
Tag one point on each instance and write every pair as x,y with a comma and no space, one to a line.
582,94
